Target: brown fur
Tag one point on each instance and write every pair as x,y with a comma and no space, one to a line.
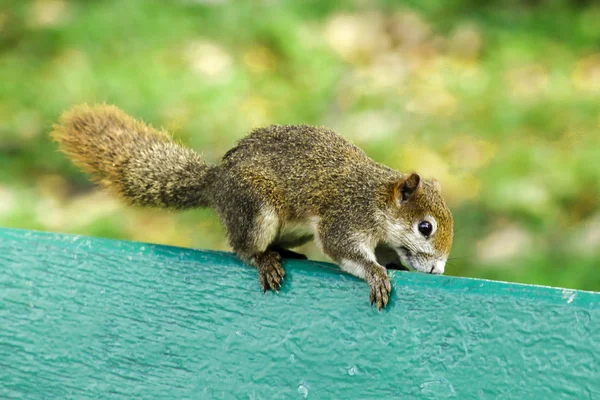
275,177
140,164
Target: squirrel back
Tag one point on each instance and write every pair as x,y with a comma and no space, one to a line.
142,165
305,169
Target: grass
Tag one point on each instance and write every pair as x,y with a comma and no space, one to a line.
498,101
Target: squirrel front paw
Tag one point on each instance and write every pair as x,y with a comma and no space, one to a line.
270,270
380,287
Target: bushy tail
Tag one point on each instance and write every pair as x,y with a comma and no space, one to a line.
142,165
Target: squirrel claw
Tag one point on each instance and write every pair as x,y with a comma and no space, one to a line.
270,272
380,286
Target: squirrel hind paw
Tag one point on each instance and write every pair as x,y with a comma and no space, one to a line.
270,270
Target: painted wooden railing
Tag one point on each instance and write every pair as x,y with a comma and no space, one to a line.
90,318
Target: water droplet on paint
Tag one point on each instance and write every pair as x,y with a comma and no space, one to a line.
568,295
388,337
303,390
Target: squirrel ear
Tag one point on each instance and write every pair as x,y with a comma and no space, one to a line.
406,187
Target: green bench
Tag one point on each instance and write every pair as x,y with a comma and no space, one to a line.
91,318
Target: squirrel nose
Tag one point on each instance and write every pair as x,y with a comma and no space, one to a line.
438,267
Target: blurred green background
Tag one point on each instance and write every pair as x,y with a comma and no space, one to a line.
498,100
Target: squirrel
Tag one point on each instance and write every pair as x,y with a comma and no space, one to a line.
278,188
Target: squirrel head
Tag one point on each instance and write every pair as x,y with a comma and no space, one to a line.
419,224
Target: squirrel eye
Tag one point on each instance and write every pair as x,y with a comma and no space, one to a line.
425,228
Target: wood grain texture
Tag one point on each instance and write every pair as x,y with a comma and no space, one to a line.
91,318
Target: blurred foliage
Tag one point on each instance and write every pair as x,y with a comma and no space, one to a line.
498,100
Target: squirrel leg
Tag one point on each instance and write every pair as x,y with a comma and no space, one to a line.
287,253
283,243
359,260
250,235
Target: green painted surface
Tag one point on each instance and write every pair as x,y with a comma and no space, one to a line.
92,318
